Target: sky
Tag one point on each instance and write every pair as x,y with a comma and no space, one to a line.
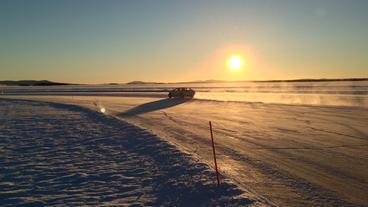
89,41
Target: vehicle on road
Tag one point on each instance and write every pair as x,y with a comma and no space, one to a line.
181,93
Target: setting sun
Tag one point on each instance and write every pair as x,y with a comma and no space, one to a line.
234,62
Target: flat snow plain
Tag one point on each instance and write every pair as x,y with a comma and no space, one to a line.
292,155
66,155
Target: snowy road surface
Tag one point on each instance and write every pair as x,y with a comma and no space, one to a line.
55,154
293,155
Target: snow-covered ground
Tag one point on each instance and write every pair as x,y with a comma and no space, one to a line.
66,155
293,155
297,144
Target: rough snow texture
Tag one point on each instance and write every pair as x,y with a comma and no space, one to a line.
54,154
293,155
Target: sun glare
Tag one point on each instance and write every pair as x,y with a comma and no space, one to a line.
234,62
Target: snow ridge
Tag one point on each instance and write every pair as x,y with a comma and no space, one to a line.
59,154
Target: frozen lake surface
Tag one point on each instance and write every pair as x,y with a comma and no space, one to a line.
332,93
293,154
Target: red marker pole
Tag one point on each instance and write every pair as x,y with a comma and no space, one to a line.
214,156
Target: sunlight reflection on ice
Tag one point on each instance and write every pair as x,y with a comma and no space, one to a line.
102,110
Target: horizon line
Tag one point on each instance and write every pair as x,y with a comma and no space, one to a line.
196,81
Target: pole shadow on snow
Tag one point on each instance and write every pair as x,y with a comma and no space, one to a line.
153,106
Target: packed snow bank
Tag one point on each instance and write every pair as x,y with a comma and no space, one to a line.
57,154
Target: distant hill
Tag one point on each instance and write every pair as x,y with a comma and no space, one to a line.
50,83
31,83
142,82
257,81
